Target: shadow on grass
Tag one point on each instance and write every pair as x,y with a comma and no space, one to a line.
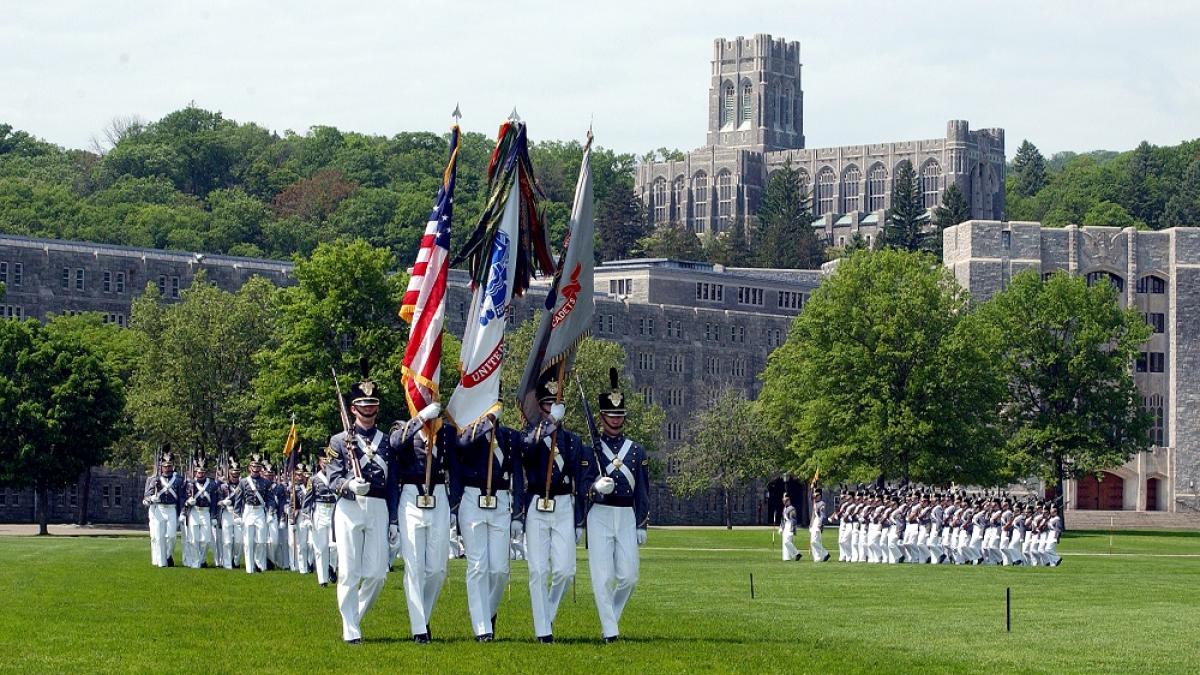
1179,534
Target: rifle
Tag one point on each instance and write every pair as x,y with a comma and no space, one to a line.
347,428
587,413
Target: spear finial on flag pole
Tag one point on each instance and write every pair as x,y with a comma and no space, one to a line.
589,133
457,114
513,116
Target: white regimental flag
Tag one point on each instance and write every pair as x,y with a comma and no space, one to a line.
478,391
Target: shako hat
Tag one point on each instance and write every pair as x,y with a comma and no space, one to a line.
548,388
612,402
364,392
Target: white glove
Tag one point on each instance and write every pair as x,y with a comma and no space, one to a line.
517,529
641,536
393,534
604,485
191,502
557,412
453,521
146,501
578,536
237,522
226,503
429,412
358,486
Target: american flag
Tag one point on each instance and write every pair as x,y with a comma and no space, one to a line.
424,304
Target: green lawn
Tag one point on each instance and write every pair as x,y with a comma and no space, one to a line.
96,604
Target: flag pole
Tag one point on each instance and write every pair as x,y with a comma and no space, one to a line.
554,437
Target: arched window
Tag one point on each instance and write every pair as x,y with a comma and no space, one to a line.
824,197
699,201
658,198
1154,406
724,200
850,178
728,104
1152,284
1096,277
877,188
805,182
747,97
931,179
679,197
786,104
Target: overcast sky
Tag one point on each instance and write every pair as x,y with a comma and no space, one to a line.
1066,75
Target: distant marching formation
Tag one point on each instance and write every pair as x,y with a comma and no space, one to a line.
456,482
932,528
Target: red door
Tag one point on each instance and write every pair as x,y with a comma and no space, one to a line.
1152,494
1112,492
1087,493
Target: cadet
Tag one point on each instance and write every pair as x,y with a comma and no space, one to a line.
231,522
553,513
485,482
250,501
363,475
298,520
617,513
164,498
202,511
320,502
815,523
425,509
787,530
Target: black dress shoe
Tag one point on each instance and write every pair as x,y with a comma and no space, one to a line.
421,638
486,637
428,633
826,558
493,623
324,585
355,641
609,639
545,639
171,561
797,556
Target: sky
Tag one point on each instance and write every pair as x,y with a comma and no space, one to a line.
1066,75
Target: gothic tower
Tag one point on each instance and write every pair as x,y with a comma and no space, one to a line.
755,100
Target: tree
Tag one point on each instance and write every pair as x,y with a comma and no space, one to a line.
883,376
1108,213
904,224
784,237
1066,350
1183,208
313,199
191,387
117,349
726,449
953,210
1029,170
592,361
61,408
620,223
671,240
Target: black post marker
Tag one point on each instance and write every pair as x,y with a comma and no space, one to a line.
1008,609
752,585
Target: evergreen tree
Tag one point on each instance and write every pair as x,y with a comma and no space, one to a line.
904,224
1029,168
1183,209
784,237
620,222
953,210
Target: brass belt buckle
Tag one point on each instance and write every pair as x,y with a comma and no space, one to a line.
487,501
545,505
426,501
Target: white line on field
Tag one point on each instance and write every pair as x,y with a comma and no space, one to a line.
772,551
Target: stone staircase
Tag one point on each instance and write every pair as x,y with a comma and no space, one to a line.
1127,520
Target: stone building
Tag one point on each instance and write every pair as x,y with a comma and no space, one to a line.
756,126
1158,274
688,329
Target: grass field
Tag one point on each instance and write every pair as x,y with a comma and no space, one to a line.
96,605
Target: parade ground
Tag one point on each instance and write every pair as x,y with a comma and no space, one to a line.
1123,605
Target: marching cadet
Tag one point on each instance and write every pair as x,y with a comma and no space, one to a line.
298,521
815,546
553,512
202,511
363,475
320,501
933,540
164,499
1054,530
787,530
277,536
485,484
231,522
425,509
842,515
618,512
250,501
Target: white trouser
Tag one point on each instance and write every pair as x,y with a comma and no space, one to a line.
974,550
163,524
485,534
254,537
891,536
361,527
858,543
613,561
815,545
200,533
1015,543
298,545
843,542
933,543
789,544
922,544
874,546
322,540
425,535
231,540
550,550
908,542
